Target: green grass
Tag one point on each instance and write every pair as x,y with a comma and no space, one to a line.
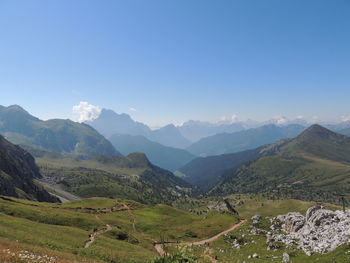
65,228
257,205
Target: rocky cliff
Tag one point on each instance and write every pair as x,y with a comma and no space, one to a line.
17,172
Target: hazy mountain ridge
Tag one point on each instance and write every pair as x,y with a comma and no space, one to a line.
57,135
196,130
243,140
163,156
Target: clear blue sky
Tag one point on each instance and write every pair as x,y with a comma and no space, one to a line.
177,60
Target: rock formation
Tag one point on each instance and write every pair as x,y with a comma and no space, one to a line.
320,231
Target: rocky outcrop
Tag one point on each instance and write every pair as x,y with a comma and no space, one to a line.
223,206
17,171
292,222
320,231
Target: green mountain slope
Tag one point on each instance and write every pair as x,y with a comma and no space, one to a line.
132,177
313,166
64,136
160,155
17,171
205,172
345,131
243,140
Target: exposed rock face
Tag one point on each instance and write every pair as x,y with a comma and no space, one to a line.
292,222
321,231
223,206
17,171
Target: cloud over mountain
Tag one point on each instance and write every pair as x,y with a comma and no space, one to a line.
85,111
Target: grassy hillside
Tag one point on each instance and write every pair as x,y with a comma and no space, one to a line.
57,135
62,230
314,166
132,177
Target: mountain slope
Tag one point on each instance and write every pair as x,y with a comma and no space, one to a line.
17,172
313,166
163,156
64,136
132,177
205,172
243,140
345,131
169,136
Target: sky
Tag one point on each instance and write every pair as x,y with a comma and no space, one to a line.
170,61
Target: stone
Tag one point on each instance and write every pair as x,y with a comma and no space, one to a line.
285,257
256,219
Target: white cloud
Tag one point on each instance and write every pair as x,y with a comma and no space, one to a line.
230,119
345,118
280,119
132,109
86,112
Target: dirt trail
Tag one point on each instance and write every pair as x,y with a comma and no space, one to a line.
160,247
133,220
211,239
93,235
115,208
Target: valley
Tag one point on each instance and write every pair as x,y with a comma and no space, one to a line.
106,207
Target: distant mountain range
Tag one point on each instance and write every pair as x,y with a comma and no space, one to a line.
57,135
196,130
17,173
243,140
111,123
313,166
166,157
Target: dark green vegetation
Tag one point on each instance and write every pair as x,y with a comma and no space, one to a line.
243,140
17,171
132,177
163,156
63,136
205,172
314,166
62,230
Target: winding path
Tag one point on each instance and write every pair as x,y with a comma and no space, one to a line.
115,208
93,235
160,246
